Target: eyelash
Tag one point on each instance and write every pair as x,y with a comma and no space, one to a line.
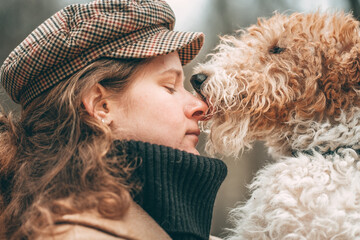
171,90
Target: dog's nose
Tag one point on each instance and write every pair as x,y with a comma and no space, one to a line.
196,80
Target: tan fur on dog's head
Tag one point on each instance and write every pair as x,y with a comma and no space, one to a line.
280,79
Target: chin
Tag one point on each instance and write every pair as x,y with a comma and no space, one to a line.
193,151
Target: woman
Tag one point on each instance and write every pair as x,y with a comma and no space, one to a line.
105,144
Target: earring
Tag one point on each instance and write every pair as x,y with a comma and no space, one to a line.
103,121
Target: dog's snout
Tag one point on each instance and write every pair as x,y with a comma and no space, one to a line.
196,81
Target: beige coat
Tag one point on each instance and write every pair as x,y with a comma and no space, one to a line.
136,224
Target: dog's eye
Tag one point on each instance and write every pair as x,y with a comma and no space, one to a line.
276,50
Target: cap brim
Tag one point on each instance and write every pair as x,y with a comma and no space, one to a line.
187,44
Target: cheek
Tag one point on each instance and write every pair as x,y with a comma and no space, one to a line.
167,124
154,116
161,105
169,116
157,111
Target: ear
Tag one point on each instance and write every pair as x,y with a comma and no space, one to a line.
96,103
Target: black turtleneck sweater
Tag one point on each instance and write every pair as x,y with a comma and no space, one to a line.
178,188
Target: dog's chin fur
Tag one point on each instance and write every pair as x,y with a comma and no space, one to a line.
292,82
233,136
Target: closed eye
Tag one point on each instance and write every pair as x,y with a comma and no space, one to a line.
170,89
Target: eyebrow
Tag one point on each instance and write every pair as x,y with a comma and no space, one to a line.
178,72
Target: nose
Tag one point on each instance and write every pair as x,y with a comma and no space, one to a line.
196,109
197,80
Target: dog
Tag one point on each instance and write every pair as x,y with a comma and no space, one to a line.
293,82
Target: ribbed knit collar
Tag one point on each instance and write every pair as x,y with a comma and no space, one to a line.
179,188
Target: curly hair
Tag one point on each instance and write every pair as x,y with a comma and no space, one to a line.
54,158
278,77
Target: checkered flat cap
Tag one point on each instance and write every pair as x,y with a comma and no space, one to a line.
82,33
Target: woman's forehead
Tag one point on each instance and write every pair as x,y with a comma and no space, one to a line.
164,64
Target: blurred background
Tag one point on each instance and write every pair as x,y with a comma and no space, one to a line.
213,17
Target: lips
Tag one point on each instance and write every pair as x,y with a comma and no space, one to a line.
195,132
193,135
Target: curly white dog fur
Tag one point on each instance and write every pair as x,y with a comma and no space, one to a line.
294,83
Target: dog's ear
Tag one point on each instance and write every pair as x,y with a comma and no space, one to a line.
341,80
340,59
350,69
350,66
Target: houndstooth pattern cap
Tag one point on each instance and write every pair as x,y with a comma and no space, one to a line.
82,33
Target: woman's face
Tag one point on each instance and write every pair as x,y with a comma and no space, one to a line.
156,108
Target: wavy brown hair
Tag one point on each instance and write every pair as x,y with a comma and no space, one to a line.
54,158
